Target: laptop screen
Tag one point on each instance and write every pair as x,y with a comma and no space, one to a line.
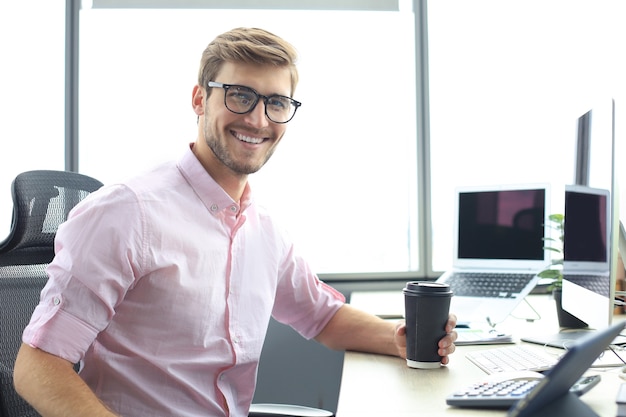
585,228
501,224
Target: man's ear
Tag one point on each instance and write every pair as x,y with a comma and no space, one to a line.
198,100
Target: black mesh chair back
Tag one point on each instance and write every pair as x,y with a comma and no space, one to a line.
41,202
18,298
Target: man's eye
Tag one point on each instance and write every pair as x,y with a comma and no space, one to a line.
243,97
278,102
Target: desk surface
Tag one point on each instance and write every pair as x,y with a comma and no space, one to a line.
375,385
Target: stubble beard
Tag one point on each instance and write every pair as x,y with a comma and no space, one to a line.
222,153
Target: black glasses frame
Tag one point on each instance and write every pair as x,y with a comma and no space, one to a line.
226,87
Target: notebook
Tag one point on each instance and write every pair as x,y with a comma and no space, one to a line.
499,231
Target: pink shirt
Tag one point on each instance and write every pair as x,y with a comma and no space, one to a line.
164,286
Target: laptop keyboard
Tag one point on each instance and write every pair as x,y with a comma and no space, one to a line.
512,358
483,284
600,284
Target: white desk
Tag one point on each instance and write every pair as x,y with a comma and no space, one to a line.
375,385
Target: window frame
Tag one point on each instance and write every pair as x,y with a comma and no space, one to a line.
72,141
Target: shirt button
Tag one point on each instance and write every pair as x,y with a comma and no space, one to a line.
233,209
56,301
214,207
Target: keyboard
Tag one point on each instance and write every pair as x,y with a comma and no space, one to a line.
494,393
513,358
505,391
600,284
488,284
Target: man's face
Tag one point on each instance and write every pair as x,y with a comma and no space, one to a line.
243,143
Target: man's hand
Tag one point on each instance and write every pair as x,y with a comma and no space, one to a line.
446,344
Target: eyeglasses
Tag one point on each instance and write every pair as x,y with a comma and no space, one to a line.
240,99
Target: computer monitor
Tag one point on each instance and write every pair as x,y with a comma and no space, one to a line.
586,206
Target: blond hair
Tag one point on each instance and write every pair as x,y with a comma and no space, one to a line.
249,46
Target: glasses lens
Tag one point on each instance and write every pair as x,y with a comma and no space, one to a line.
279,109
240,99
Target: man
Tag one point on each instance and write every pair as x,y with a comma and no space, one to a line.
164,286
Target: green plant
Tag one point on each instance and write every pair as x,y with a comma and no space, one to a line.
555,270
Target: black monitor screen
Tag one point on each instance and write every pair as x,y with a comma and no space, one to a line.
585,227
505,224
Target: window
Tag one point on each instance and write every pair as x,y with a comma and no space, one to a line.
508,81
32,38
343,181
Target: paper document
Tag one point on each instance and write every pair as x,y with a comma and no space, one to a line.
469,336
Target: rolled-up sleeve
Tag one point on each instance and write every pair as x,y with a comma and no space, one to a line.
97,259
303,301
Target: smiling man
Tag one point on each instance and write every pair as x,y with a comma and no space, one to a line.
162,287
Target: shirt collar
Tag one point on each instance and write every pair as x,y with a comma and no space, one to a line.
210,192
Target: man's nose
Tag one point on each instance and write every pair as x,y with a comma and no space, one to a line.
257,117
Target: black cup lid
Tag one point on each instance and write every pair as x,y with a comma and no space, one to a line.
427,287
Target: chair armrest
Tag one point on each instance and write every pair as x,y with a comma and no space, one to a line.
286,410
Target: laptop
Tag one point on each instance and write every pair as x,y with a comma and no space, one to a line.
586,246
498,249
586,263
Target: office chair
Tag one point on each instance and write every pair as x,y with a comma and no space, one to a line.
41,201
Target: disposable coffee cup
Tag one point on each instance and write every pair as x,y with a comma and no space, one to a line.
427,306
